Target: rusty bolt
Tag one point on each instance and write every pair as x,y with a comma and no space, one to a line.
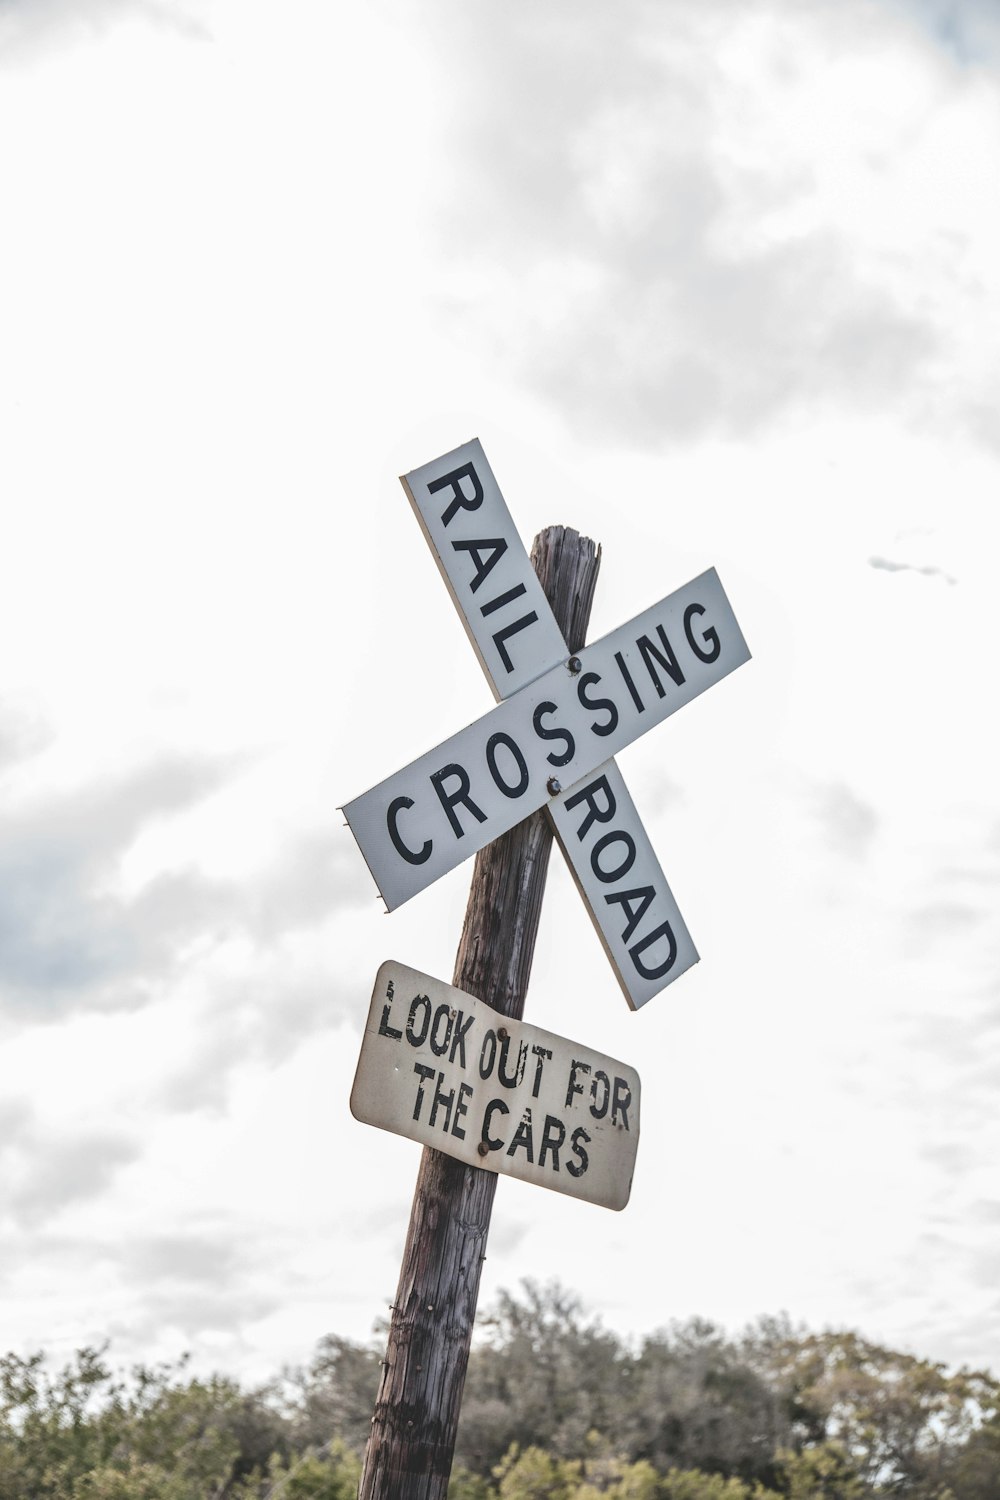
554,786
574,664
502,1033
483,1150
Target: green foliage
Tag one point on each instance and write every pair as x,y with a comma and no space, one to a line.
334,1475
335,1395
821,1473
535,1475
556,1408
904,1424
464,1485
693,1484
136,1482
544,1377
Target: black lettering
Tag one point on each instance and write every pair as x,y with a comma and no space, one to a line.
461,1109
553,1136
620,1102
460,500
423,1073
489,1041
634,904
598,1110
541,1053
616,836
458,1039
449,800
502,599
553,734
492,744
396,806
596,704
619,658
384,1029
666,658
440,1044
664,930
505,634
523,1139
411,1036
486,1138
446,1101
709,635
511,1082
496,547
574,1087
589,794
572,1168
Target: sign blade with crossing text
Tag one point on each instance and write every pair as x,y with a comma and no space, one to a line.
497,594
427,818
445,1069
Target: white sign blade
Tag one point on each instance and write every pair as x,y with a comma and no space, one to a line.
622,884
489,575
423,821
479,552
445,1069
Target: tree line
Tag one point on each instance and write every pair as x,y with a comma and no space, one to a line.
556,1407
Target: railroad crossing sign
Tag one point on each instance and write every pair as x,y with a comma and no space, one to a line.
551,738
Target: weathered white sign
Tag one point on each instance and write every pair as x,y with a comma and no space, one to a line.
489,575
498,596
443,1068
619,876
424,820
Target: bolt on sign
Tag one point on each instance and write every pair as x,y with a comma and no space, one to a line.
551,738
442,1068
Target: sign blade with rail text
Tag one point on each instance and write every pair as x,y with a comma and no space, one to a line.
445,1069
427,818
476,545
506,615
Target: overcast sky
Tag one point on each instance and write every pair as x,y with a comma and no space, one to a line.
714,283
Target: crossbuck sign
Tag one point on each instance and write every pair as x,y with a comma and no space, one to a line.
550,740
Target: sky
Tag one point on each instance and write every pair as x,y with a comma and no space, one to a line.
714,284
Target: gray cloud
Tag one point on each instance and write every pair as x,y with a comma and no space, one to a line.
193,1313
950,1156
944,919
61,934
57,1172
194,1259
886,565
16,1117
968,29
253,1022
32,28
21,737
849,825
657,792
589,166
66,941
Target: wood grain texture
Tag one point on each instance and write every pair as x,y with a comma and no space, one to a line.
412,1441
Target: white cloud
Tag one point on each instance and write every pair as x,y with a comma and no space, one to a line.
700,222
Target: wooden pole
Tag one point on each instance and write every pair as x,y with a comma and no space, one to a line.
412,1442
